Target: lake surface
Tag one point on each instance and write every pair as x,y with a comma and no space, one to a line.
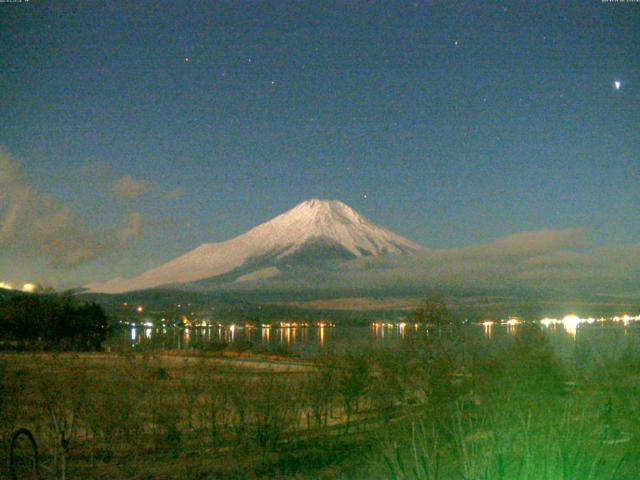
605,338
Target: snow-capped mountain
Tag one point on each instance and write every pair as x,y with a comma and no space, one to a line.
313,231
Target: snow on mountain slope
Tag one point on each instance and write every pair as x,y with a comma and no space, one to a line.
315,228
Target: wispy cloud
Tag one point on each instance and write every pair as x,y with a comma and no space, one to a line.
555,258
545,256
129,187
35,224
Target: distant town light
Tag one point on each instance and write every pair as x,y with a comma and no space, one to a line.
548,321
570,323
27,287
139,309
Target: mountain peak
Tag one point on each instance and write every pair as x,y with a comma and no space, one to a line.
312,230
323,211
321,203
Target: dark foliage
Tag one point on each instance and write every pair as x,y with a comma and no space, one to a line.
51,322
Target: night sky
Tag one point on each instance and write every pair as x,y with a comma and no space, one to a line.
144,129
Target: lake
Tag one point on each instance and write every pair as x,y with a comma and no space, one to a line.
604,338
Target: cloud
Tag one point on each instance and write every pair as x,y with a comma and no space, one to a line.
528,244
545,257
548,258
132,229
34,224
129,187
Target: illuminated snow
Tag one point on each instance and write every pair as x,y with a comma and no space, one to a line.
329,221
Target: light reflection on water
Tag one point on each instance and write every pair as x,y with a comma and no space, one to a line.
266,333
488,328
564,334
296,337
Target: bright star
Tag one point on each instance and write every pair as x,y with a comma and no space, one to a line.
617,84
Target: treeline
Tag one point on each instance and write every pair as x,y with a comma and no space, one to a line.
51,321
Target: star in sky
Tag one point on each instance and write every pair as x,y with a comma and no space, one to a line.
617,84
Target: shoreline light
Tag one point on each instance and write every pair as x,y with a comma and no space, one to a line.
26,287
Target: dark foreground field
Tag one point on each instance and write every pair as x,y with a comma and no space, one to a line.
425,410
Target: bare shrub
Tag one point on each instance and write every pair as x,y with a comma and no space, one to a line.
352,383
320,388
60,389
274,410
